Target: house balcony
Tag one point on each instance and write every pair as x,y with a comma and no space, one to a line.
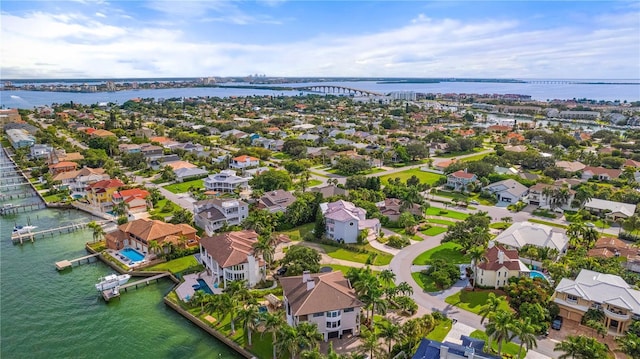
616,315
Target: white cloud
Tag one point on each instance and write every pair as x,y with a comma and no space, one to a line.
51,45
99,14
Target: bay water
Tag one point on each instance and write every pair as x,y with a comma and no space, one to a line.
47,314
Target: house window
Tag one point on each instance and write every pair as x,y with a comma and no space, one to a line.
348,310
333,314
331,325
572,298
321,314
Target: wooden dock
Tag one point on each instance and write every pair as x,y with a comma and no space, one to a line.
62,265
115,292
21,208
31,236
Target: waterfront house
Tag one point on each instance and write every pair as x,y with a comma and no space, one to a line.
507,191
62,167
100,194
607,293
344,221
78,181
135,199
230,257
213,214
540,235
276,201
139,234
498,265
226,181
20,138
461,180
325,299
244,161
40,150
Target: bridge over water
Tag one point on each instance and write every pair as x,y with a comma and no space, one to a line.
335,89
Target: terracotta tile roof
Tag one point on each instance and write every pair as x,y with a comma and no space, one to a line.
230,248
64,165
150,230
499,128
176,165
462,174
613,173
330,291
159,139
245,158
110,183
511,260
103,133
129,194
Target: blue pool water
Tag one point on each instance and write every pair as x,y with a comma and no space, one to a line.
132,254
202,285
536,274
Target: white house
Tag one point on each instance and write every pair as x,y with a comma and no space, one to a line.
325,299
527,233
344,221
226,181
611,209
509,190
538,195
230,257
244,161
213,214
498,266
78,181
459,180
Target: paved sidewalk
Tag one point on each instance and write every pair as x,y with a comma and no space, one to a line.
457,330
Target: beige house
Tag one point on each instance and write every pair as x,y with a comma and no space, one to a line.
325,299
607,293
498,266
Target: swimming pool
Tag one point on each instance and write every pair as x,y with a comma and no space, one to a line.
132,254
536,274
203,286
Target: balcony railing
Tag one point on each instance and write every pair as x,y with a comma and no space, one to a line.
615,315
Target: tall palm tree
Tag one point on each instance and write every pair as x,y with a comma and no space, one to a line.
526,333
288,340
249,316
580,347
490,307
405,288
370,345
154,246
98,231
265,248
309,334
477,255
387,277
389,331
272,323
500,328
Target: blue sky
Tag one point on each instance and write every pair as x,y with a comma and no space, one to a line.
163,38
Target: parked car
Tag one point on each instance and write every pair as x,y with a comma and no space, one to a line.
557,323
474,202
281,271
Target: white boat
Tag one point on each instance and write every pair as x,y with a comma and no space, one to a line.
23,229
112,281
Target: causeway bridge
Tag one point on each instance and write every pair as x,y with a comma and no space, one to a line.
335,89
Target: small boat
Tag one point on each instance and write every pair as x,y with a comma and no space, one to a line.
23,229
112,281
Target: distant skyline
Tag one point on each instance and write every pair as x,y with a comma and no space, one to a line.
420,39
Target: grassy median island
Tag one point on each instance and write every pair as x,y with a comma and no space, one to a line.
449,252
442,212
473,300
371,256
424,177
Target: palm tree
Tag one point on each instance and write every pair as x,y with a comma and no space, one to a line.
154,246
405,288
388,331
581,347
120,209
249,316
264,246
526,333
98,231
574,231
507,219
631,224
477,255
309,334
370,345
490,307
199,298
287,340
500,328
629,344
387,277
272,323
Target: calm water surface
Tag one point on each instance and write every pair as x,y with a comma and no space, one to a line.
46,314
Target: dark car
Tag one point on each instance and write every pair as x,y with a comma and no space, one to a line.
557,323
281,271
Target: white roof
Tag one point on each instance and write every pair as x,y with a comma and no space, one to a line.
540,235
602,288
511,186
615,207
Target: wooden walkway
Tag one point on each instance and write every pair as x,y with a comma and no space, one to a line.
62,265
21,208
64,229
115,292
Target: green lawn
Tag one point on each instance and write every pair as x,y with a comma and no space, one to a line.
424,177
500,225
367,172
402,232
435,211
381,259
281,156
449,251
474,158
473,301
175,266
60,197
298,233
184,186
433,231
507,348
313,182
552,224
425,282
158,210
319,174
343,269
577,218
440,331
439,221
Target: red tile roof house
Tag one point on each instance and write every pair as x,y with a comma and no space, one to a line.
459,180
325,299
244,161
139,233
230,257
62,167
135,199
499,264
600,173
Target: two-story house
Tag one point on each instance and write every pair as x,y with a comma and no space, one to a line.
541,194
276,201
608,293
325,299
461,180
78,181
135,199
213,214
499,264
100,194
140,233
62,167
226,181
392,208
230,257
344,221
244,161
508,191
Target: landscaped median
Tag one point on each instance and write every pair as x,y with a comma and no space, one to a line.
424,177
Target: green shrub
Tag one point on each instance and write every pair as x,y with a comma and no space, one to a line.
398,242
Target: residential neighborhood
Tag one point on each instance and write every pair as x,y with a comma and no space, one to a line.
428,228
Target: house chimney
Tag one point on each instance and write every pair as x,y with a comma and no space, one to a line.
500,257
444,352
306,276
310,284
208,214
